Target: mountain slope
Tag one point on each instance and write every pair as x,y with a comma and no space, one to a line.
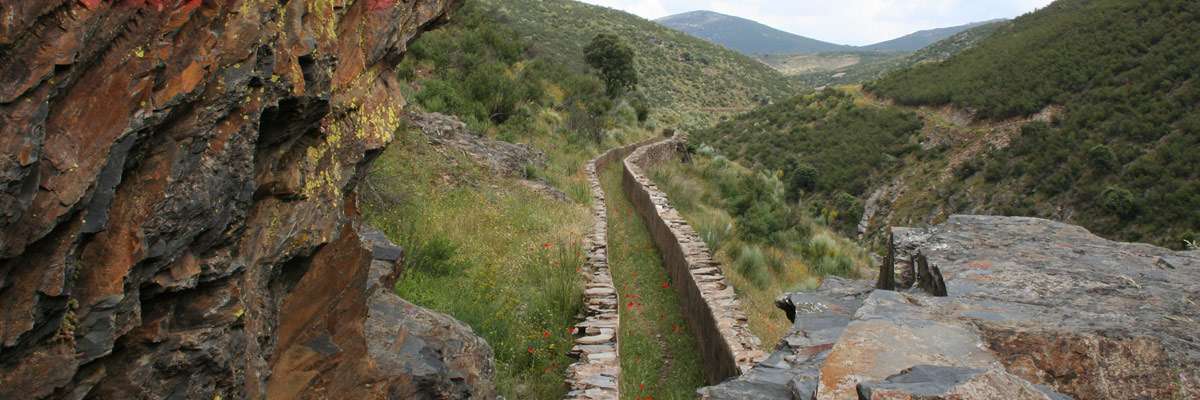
918,40
743,35
877,63
1086,112
677,70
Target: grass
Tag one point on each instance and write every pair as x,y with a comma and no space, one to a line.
757,270
475,244
659,357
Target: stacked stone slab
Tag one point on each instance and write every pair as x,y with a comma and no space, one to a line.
597,373
710,306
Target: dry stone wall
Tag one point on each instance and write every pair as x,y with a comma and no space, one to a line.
597,373
710,306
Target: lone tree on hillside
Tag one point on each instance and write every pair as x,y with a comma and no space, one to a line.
614,59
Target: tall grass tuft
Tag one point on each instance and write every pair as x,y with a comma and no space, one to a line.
752,265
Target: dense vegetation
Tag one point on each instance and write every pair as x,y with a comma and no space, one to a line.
773,244
1123,155
825,143
678,73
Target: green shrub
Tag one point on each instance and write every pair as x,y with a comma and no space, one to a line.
849,208
432,256
1101,158
752,265
993,172
968,169
1119,202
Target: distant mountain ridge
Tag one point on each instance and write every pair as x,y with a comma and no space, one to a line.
750,37
921,39
745,36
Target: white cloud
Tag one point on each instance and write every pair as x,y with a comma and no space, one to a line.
857,22
649,9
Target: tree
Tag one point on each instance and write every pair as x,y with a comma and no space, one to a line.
801,176
614,59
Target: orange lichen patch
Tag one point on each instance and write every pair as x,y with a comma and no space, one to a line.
980,265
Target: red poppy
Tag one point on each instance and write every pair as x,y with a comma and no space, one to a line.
570,330
641,387
546,334
665,286
631,304
545,244
530,351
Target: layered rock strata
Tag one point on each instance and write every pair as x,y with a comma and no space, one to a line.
597,374
1032,304
178,216
710,306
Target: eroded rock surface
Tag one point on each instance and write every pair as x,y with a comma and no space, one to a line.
1032,303
501,157
177,200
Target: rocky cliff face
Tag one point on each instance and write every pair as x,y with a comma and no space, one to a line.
1036,309
177,208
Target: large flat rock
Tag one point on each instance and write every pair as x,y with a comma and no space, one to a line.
1032,303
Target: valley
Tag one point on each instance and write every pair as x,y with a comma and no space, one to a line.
548,199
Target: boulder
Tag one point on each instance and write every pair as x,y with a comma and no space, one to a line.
1031,303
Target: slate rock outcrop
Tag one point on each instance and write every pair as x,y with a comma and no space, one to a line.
178,213
1032,304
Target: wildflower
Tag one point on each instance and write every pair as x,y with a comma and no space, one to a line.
546,335
530,351
641,387
665,286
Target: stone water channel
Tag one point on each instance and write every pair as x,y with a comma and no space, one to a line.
709,307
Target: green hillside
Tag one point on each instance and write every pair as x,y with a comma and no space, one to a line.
1123,154
678,71
845,142
1116,154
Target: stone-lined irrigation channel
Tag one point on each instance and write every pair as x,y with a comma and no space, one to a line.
661,320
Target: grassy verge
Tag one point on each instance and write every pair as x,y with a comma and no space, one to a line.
659,357
794,257
475,245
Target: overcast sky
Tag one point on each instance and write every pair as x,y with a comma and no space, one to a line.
854,22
